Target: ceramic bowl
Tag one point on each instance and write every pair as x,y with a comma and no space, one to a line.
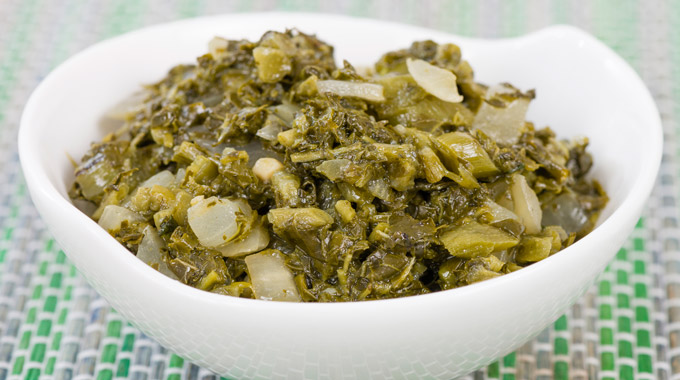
583,89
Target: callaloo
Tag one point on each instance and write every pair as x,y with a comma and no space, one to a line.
266,171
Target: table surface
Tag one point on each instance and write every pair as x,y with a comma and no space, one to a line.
54,326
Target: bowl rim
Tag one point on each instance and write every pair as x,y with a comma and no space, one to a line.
36,174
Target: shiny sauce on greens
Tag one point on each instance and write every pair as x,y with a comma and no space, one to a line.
266,171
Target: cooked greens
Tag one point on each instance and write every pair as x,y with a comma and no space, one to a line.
266,171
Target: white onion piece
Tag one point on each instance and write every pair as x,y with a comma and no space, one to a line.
506,202
269,132
179,177
285,111
218,46
163,178
499,213
213,220
257,240
265,168
270,277
368,91
149,251
526,204
244,206
113,216
435,80
503,124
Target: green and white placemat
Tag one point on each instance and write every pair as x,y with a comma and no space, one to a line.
54,326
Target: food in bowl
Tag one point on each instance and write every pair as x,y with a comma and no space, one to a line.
266,171
465,328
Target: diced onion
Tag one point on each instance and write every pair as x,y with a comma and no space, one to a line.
257,240
270,277
163,178
218,46
438,82
265,168
213,220
149,251
285,111
368,91
499,213
526,204
334,169
269,132
503,124
113,216
565,211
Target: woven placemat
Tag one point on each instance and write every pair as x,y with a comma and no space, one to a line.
54,326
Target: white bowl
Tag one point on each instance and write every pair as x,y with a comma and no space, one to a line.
583,88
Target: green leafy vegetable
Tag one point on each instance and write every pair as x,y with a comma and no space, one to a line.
266,171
